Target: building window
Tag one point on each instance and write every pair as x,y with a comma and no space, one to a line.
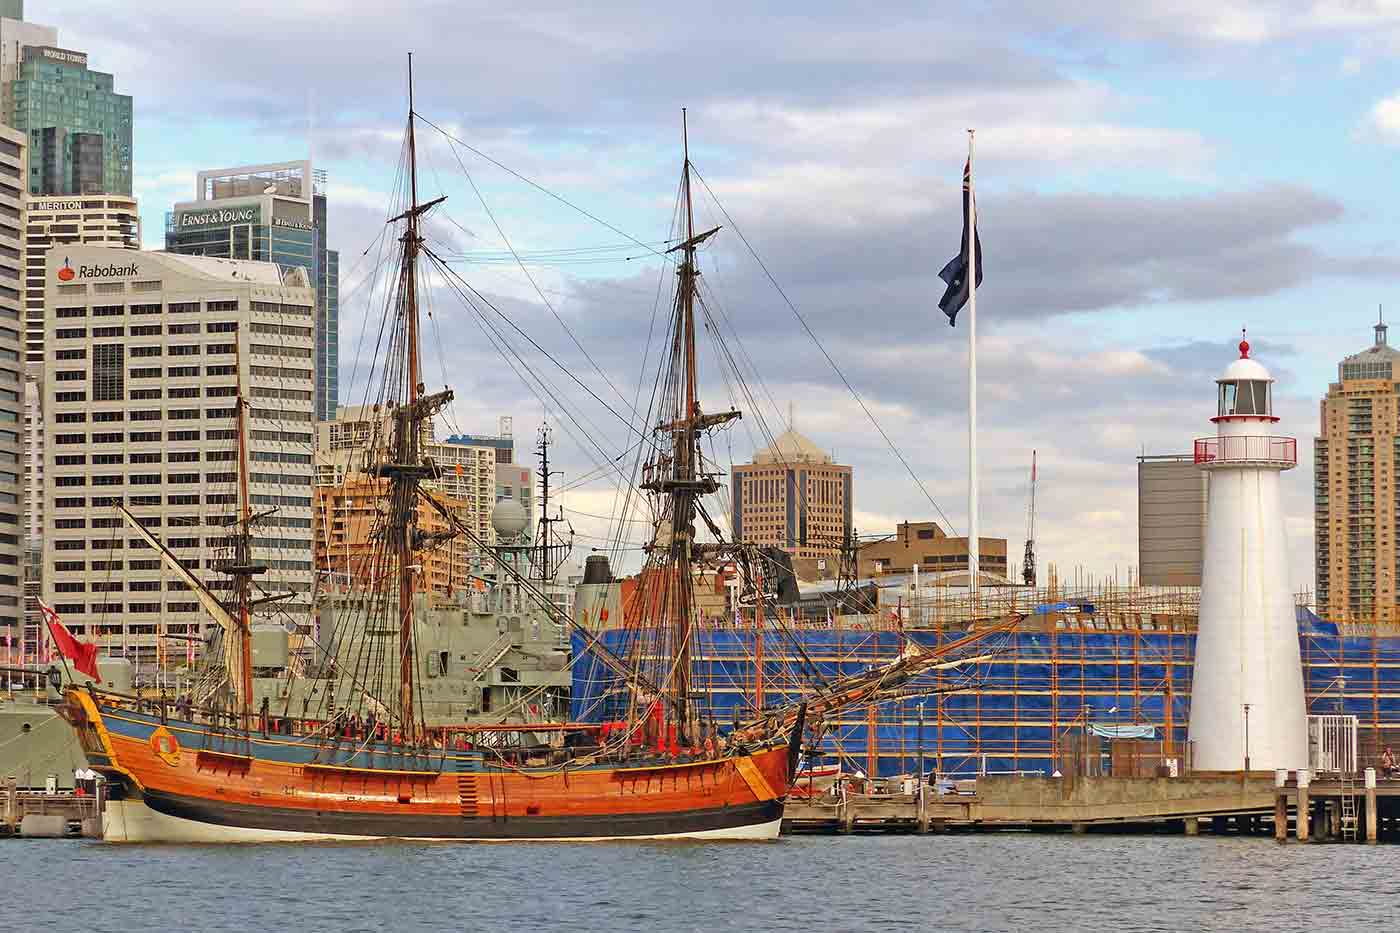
108,384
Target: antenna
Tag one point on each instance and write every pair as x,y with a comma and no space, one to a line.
551,555
1028,560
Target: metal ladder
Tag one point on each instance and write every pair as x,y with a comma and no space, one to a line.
1349,822
491,654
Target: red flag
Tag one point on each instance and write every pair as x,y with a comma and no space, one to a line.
82,654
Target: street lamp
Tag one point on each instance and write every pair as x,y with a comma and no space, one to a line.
1246,738
1086,715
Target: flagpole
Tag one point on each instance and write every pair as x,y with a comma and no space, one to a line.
973,538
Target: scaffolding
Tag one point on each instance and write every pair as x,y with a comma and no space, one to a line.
1099,657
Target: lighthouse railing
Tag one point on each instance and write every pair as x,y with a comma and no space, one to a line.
1247,449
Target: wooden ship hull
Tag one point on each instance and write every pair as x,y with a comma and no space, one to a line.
180,781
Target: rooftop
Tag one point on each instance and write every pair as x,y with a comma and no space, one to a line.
791,447
1374,362
242,270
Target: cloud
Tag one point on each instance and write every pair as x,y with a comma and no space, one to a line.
1238,23
832,133
1384,119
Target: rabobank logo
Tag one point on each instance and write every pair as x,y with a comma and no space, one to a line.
110,271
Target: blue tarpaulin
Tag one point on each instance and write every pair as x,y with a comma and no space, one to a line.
1310,624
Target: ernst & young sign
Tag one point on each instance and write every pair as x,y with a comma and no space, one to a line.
218,217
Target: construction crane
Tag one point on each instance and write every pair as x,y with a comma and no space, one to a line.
1028,562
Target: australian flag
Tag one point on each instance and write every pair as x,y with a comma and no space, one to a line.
955,272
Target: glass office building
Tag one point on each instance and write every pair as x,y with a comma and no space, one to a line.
273,213
79,127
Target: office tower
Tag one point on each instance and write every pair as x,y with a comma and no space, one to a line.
15,36
794,497
272,213
145,352
79,127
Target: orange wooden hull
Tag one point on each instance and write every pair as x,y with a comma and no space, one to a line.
181,780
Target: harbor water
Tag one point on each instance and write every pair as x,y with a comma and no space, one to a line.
806,884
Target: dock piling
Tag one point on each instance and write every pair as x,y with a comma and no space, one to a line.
1371,822
1304,806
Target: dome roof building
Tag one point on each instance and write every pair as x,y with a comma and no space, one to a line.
794,496
792,447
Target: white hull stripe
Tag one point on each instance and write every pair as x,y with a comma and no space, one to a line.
133,821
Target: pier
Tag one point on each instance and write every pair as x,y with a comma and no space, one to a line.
1336,807
38,814
1021,802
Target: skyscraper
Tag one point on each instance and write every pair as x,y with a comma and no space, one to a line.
93,219
147,351
794,497
271,213
12,169
1356,458
79,127
15,36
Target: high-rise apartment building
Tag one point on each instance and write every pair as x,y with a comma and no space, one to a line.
794,497
12,174
145,353
1356,459
475,472
79,127
91,219
272,213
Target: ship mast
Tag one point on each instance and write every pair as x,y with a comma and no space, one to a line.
407,470
684,482
407,440
243,555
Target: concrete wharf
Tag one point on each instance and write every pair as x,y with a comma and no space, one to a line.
1336,807
37,814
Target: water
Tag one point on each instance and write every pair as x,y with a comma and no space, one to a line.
808,884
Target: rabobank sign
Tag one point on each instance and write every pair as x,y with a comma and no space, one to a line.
218,217
111,270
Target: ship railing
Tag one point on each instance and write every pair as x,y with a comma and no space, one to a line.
336,728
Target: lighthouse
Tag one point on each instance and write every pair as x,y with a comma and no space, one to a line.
1247,706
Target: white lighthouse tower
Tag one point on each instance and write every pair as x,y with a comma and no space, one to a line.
1247,706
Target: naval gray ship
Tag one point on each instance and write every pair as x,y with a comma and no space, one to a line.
491,656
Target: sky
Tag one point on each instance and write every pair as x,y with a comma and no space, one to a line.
1152,177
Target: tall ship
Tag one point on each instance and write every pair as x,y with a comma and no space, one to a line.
363,761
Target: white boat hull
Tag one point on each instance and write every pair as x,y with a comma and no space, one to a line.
133,821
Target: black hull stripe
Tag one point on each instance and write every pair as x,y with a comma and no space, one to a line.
407,826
